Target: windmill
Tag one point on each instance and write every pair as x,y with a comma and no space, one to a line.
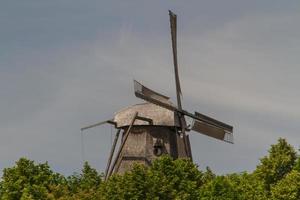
158,126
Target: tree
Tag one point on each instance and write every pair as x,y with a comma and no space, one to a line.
181,175
1,190
27,181
165,179
233,186
277,177
277,164
247,186
84,185
288,188
297,164
88,179
220,188
208,175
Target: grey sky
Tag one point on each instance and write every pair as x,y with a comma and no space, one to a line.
65,64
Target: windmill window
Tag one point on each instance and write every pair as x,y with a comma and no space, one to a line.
158,147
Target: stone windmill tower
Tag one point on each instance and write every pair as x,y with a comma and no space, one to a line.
158,127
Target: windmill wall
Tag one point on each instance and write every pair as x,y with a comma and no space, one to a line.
140,146
142,141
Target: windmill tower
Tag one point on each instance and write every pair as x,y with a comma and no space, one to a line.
157,127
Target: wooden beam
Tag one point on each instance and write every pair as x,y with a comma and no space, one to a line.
122,145
112,153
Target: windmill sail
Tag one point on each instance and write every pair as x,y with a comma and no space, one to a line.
212,131
153,97
173,25
214,122
202,123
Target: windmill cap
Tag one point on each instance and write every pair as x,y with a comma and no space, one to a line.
160,116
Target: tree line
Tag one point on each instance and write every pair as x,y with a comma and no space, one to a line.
277,177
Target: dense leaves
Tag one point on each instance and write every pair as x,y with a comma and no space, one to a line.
277,177
288,188
165,179
277,164
28,181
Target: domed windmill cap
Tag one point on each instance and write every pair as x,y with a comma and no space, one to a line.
160,116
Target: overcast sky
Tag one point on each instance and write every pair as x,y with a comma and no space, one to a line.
68,63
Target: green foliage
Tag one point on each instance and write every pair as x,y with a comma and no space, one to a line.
181,176
277,164
277,177
235,186
84,185
87,180
208,175
219,188
297,165
165,179
131,185
247,186
1,190
288,188
28,181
